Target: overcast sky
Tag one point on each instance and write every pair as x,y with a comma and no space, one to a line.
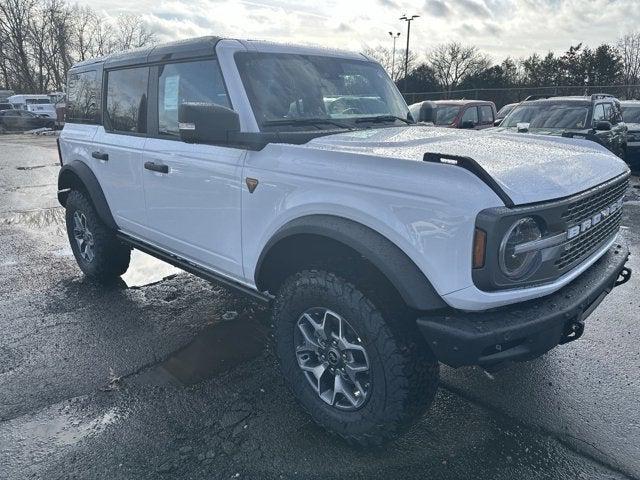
498,27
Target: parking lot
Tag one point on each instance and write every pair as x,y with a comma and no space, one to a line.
167,376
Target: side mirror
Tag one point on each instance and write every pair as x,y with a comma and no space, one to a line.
467,124
497,122
603,125
207,123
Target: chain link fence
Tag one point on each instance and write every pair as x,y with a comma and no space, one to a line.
502,96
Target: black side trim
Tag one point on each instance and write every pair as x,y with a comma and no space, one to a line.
395,265
192,268
77,175
474,167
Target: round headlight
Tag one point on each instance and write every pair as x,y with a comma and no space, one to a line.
516,266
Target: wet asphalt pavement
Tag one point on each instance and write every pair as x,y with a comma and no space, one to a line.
167,376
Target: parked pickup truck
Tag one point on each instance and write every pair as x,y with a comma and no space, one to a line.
294,174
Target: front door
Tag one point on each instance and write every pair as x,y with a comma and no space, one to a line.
118,146
192,191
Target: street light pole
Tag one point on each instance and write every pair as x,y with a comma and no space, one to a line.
393,55
406,52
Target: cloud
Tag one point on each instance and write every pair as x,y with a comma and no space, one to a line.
499,27
437,8
476,7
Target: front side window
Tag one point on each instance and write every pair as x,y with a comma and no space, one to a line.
608,113
83,98
187,82
470,115
631,114
126,109
598,112
486,114
292,89
445,115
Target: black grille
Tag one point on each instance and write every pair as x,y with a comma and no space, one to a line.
579,248
586,207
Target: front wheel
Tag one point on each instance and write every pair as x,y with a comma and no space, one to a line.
99,253
361,374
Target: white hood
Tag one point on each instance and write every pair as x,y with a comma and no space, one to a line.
529,168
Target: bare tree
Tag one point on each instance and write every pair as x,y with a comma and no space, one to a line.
629,48
384,56
453,62
132,32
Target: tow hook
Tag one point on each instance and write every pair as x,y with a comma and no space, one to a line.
623,276
573,331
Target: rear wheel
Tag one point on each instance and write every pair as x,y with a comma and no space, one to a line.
361,374
99,253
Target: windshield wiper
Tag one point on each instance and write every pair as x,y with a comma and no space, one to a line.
383,118
305,121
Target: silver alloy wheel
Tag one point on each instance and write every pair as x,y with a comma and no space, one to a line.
83,236
333,359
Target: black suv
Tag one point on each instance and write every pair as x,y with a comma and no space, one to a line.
597,118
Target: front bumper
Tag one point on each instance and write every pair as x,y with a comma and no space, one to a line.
526,330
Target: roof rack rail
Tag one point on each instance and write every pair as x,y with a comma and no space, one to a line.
536,97
601,96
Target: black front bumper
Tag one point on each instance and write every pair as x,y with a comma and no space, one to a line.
525,330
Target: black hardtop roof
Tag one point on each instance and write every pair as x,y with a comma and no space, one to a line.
191,48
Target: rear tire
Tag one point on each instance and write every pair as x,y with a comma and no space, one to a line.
99,253
401,377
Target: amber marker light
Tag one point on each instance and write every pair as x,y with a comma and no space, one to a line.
479,248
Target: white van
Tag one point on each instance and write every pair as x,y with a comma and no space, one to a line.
38,104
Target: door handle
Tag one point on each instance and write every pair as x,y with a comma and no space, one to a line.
100,156
156,167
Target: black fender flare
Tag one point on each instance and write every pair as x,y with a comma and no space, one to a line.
413,286
76,175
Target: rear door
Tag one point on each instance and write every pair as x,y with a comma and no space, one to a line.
192,191
118,146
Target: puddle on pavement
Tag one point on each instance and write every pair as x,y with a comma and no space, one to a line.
60,428
218,348
40,218
145,270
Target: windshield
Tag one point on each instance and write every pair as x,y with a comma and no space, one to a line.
631,114
445,115
292,90
504,111
38,101
549,115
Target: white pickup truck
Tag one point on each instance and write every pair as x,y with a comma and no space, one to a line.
298,176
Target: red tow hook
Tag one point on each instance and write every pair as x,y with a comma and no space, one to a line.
623,276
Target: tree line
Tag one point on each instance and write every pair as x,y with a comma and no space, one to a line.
41,39
455,66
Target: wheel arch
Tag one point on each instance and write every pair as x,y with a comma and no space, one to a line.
76,175
341,235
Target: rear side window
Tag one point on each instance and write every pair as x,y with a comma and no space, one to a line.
126,105
83,98
486,114
598,112
178,83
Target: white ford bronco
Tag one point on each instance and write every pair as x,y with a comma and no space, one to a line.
298,176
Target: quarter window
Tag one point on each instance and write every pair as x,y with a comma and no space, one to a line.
83,98
178,83
127,100
486,114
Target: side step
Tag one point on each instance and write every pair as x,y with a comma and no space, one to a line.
192,268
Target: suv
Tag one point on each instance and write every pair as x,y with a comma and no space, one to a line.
471,114
293,175
631,116
597,118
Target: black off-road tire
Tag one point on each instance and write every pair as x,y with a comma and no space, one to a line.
404,373
111,257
